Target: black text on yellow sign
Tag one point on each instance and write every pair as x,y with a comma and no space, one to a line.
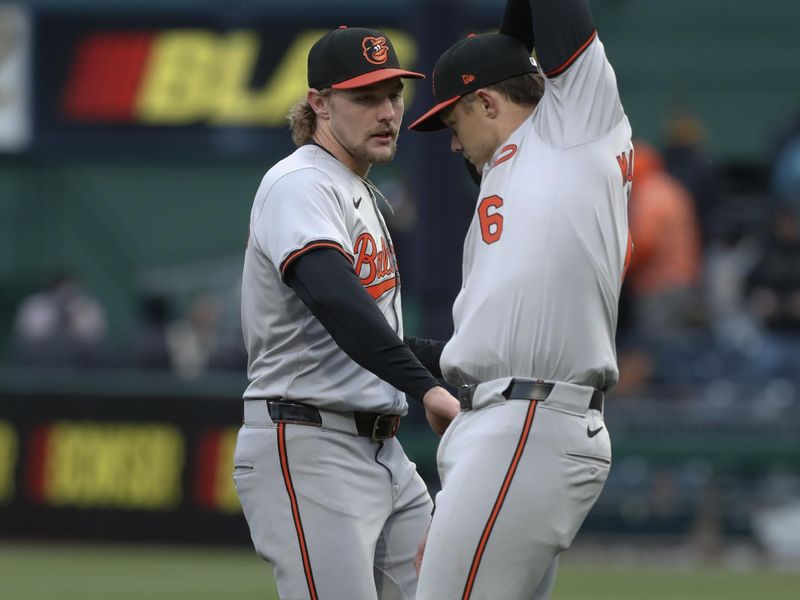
107,465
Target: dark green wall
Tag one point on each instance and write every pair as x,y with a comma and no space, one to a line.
120,226
130,227
733,63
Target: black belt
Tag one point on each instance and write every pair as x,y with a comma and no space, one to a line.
524,390
373,425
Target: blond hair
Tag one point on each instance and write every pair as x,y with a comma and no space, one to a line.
303,120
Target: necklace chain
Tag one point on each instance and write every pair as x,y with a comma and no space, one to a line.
373,189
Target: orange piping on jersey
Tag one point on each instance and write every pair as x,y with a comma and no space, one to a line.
298,524
563,67
487,530
312,246
511,150
628,255
379,289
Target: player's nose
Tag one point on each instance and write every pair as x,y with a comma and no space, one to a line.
387,111
455,143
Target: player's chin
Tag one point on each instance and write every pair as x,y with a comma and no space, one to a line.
477,163
383,153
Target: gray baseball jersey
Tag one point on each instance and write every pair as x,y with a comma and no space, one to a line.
338,515
545,253
306,201
543,264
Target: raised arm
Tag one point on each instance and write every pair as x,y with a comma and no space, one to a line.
581,101
559,29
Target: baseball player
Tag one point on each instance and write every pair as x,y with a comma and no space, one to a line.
544,258
330,497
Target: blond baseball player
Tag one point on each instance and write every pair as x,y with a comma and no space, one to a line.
544,258
331,499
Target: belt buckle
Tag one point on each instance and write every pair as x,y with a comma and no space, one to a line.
465,395
385,427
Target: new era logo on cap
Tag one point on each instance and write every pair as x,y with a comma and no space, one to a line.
351,57
473,63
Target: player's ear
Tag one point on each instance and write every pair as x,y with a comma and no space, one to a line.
486,103
318,101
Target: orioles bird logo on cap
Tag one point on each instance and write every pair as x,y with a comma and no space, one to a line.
375,50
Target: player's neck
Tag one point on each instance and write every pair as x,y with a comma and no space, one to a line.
512,117
324,138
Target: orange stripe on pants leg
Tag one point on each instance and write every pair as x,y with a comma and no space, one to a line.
498,504
298,524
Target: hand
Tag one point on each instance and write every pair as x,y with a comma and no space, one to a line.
440,408
420,553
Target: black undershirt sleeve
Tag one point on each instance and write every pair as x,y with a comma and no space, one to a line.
328,286
560,29
428,352
517,22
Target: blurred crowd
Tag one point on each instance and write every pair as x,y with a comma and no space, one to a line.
63,325
713,288
712,292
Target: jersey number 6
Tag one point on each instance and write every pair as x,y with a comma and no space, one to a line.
491,223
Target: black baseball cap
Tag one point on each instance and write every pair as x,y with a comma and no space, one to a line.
470,64
351,57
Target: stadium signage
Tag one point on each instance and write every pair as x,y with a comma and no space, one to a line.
8,460
213,484
113,466
106,465
176,77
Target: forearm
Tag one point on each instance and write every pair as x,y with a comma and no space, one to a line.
561,29
517,22
557,28
327,285
428,352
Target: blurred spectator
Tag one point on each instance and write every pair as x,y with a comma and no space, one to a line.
786,172
728,261
397,204
789,131
636,370
660,304
665,265
773,294
685,159
192,340
230,353
61,326
149,346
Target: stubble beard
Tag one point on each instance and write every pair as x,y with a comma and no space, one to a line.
362,152
374,157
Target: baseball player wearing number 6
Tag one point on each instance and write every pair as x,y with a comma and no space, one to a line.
330,497
533,345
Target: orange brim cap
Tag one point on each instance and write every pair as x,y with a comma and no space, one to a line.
375,77
431,121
